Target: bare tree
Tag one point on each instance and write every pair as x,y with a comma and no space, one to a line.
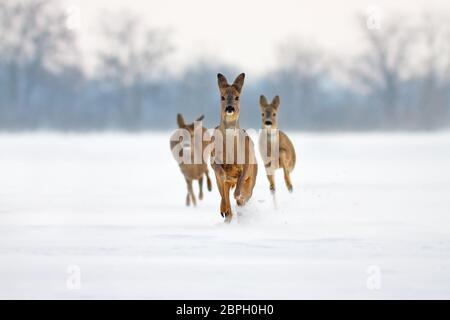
133,56
302,66
385,63
434,32
34,41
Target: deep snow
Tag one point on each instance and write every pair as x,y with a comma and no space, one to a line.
113,206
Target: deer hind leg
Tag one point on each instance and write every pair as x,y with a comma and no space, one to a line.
285,164
190,193
200,187
287,179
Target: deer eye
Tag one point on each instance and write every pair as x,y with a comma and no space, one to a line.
274,114
222,98
237,98
262,114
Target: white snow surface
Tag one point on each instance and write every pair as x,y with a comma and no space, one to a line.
114,206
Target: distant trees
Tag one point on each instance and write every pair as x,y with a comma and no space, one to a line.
434,76
36,52
299,81
405,71
383,66
129,65
311,96
401,80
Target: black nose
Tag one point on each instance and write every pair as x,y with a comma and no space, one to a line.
268,123
229,109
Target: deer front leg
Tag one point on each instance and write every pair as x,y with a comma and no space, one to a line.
225,206
271,177
190,193
188,199
270,173
224,190
200,187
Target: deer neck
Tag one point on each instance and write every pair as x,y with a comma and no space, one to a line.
225,124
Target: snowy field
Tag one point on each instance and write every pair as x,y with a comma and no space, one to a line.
369,218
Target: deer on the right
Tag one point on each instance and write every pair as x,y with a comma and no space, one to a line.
276,150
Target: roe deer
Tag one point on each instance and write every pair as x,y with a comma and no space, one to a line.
277,151
232,157
191,150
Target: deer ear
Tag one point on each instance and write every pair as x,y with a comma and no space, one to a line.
239,82
200,118
180,121
222,81
262,101
276,102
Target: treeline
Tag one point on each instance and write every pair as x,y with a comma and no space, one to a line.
401,81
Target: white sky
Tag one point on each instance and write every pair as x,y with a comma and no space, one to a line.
245,33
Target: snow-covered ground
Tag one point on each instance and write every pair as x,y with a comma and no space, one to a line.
369,218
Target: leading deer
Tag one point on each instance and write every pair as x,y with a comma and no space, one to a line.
232,157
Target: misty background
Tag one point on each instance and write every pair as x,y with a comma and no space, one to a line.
398,80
